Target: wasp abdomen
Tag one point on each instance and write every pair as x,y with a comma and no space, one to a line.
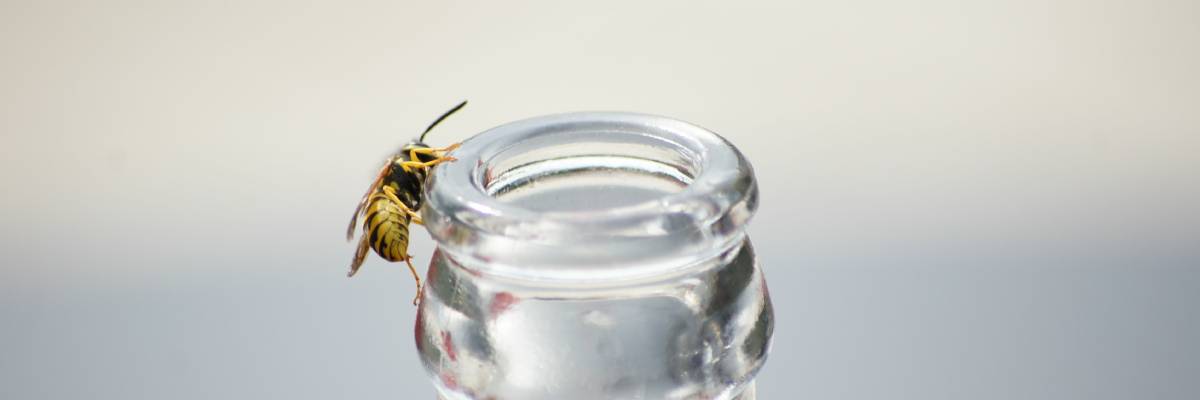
386,228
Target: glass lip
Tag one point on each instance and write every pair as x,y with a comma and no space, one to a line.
715,205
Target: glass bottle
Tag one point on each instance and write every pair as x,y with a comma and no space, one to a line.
593,256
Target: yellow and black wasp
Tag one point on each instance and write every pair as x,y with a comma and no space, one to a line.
393,200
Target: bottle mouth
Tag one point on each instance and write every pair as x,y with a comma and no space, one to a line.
597,195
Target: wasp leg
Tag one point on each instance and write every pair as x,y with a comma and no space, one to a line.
409,165
440,158
434,152
412,215
417,277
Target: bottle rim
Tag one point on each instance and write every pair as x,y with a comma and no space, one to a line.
468,220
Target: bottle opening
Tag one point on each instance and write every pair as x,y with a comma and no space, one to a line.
588,171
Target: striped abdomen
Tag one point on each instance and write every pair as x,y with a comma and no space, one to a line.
386,228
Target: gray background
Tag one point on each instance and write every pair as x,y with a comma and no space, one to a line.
980,201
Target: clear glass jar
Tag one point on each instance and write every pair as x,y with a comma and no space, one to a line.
593,256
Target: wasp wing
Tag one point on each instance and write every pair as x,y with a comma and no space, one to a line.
359,255
366,196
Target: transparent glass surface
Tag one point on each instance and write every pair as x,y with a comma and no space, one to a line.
593,256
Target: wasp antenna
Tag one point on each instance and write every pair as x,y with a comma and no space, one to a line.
439,120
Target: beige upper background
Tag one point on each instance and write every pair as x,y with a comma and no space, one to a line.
985,200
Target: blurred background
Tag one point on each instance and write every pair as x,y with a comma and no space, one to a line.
991,200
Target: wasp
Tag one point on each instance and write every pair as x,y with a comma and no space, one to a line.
394,199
